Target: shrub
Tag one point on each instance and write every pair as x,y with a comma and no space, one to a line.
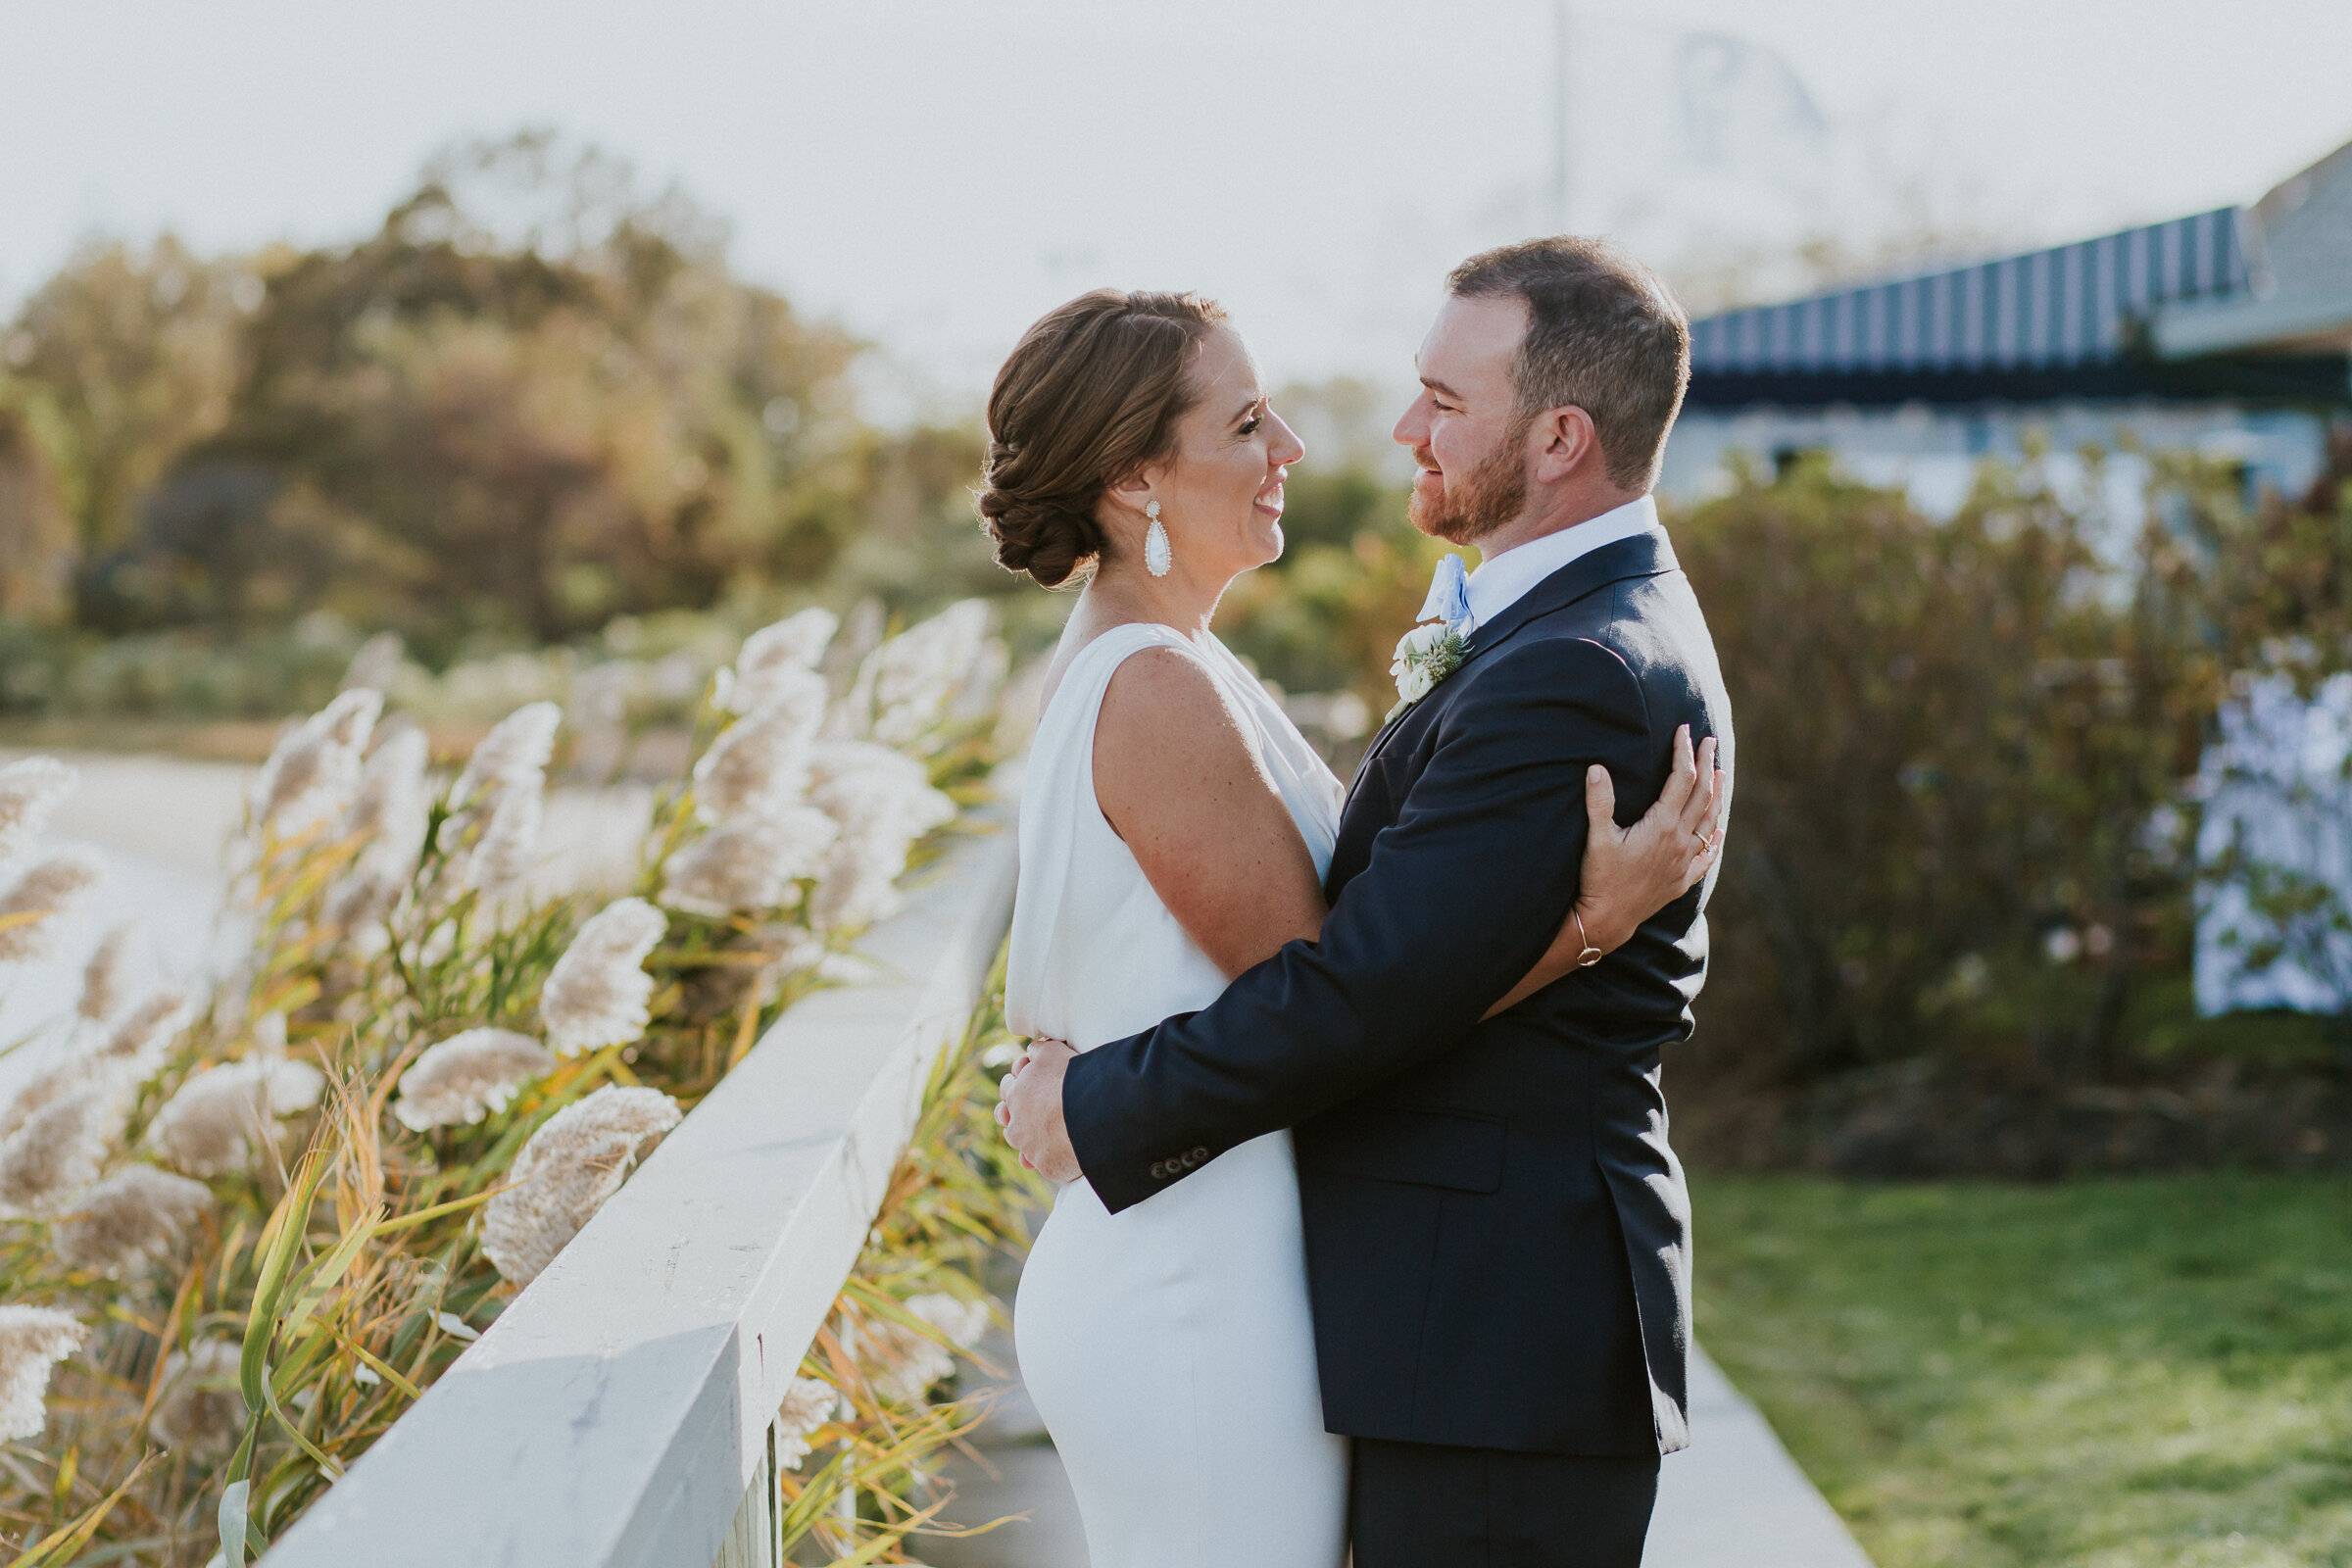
1966,758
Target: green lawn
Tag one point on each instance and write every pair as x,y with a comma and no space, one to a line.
2110,1373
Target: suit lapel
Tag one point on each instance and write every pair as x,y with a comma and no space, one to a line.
1386,730
1645,554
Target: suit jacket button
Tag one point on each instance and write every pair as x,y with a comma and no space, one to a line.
1160,1170
1198,1155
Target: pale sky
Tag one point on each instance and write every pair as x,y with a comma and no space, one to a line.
935,173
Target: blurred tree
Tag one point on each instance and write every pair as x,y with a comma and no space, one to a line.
1345,423
36,530
2271,581
135,351
533,400
897,518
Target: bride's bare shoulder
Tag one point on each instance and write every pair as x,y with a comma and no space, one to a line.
1083,632
1179,776
1162,686
1169,733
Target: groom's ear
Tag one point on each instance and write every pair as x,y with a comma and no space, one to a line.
1566,444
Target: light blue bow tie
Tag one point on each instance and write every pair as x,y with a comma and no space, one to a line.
1448,598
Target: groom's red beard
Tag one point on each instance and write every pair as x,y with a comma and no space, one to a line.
1467,509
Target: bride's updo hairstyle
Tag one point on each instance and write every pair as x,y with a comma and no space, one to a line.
1091,394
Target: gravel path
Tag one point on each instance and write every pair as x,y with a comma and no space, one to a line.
1732,1499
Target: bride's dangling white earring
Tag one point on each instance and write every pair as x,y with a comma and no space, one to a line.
1158,556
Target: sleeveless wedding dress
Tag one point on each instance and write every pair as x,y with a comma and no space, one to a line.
1168,1347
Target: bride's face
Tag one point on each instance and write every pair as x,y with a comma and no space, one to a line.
1220,496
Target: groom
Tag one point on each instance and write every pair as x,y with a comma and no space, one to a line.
1497,1236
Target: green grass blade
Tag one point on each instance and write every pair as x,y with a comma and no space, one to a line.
284,1234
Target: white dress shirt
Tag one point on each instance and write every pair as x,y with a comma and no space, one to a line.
1500,579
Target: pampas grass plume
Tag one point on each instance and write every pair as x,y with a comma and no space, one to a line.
903,686
598,993
882,802
47,887
137,1040
376,665
200,1408
32,1340
901,1363
102,977
509,841
135,1217
961,1321
749,863
807,1404
576,1160
391,814
219,1120
313,771
29,790
798,639
391,807
60,1148
463,1079
494,803
516,750
795,643
761,762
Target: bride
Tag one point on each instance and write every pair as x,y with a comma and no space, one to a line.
1174,831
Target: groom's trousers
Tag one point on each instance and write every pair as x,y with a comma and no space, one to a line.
1428,1506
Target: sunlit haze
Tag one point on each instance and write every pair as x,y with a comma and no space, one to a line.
935,174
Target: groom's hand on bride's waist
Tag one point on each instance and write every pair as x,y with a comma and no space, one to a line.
1029,1109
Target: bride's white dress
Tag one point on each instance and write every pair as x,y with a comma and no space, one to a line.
1168,1347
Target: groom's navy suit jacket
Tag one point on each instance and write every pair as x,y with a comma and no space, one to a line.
1498,1237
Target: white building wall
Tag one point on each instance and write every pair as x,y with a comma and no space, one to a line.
2277,799
1933,452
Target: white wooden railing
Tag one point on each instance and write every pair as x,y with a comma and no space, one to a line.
617,1415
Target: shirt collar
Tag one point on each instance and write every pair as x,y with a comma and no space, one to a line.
1500,579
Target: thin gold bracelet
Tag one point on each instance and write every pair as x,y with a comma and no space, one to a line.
1591,954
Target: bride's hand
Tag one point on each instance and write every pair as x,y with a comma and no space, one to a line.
1632,873
1629,874
1029,1108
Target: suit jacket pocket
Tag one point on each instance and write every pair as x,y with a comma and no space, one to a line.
1457,1149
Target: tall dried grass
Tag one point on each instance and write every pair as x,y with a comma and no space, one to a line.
263,1234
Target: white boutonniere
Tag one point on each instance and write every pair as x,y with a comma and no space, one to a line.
1425,656
1435,649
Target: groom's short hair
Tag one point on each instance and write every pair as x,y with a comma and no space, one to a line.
1603,334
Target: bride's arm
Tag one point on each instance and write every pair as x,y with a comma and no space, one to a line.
1629,874
1179,778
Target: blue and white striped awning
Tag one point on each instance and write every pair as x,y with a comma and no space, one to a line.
2065,322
